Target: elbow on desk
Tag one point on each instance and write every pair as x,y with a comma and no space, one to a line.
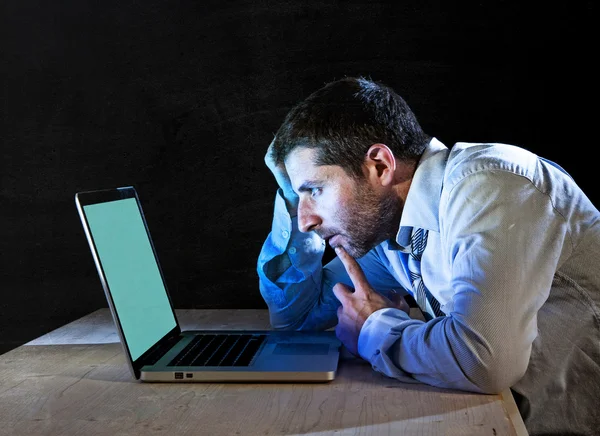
496,385
489,363
497,375
281,320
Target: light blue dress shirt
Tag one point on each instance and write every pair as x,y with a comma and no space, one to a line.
513,257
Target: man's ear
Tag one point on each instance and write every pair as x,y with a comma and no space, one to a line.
381,164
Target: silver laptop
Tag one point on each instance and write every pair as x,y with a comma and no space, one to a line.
157,349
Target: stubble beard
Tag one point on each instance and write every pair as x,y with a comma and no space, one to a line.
369,220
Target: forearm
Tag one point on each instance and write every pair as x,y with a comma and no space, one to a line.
290,276
443,352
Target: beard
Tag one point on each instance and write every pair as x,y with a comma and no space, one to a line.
367,221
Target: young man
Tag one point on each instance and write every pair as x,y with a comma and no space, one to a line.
499,247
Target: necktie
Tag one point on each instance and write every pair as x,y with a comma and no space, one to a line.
418,241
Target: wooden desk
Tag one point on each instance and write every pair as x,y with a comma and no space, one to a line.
74,381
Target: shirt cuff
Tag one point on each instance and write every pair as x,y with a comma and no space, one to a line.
304,250
281,229
378,334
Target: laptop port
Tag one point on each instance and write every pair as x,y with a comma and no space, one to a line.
178,375
189,375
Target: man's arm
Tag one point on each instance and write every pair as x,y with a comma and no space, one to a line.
289,264
290,275
502,240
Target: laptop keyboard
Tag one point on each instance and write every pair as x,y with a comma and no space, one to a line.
219,350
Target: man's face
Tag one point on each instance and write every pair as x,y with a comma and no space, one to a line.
339,208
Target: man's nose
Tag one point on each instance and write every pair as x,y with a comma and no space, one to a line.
307,219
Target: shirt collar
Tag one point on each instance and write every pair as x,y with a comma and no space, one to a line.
422,202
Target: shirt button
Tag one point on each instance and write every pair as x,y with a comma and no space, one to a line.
293,250
285,233
377,352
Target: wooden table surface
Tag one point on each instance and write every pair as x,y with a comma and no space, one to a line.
75,381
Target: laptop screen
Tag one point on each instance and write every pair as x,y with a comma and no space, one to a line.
131,273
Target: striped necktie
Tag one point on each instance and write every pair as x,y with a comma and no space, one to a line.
418,241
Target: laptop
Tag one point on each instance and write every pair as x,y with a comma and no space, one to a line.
156,348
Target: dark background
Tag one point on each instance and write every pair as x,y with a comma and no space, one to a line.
181,99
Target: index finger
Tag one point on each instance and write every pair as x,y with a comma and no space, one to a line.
352,268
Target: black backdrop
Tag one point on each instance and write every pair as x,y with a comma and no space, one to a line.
181,98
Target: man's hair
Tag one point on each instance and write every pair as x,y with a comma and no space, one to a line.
344,118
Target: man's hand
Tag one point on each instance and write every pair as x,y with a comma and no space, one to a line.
283,180
358,305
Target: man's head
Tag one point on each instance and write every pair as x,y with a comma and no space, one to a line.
350,150
344,118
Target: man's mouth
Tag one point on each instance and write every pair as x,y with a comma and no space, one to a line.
333,240
327,238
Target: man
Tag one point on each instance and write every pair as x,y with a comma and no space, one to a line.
498,246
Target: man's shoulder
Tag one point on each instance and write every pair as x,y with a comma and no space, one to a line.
496,150
467,158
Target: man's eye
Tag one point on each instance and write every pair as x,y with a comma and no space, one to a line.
315,191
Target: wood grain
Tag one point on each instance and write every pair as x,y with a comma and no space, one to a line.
52,387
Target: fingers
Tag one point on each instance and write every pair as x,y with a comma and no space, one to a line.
353,269
341,292
347,330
